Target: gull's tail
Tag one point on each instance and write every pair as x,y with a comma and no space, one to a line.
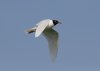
31,30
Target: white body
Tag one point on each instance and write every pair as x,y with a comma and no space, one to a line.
41,26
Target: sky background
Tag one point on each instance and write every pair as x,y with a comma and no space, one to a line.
79,35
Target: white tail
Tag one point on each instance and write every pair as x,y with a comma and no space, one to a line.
31,30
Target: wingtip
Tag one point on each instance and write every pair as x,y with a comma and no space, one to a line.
36,36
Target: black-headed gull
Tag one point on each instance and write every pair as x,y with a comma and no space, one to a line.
45,27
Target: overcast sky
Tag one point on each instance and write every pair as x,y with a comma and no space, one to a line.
79,35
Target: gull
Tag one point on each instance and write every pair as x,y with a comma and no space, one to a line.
45,27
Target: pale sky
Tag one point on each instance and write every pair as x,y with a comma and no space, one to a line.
79,35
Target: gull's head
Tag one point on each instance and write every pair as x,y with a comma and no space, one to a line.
55,22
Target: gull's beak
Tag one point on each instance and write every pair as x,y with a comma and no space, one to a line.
60,22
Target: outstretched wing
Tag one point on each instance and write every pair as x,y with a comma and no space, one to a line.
41,26
52,37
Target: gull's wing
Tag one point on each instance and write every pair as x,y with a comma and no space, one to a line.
41,26
52,37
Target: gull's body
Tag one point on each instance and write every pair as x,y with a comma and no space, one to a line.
51,35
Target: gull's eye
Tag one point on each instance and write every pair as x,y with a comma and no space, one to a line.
55,22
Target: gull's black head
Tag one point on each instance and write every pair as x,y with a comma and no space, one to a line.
55,22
